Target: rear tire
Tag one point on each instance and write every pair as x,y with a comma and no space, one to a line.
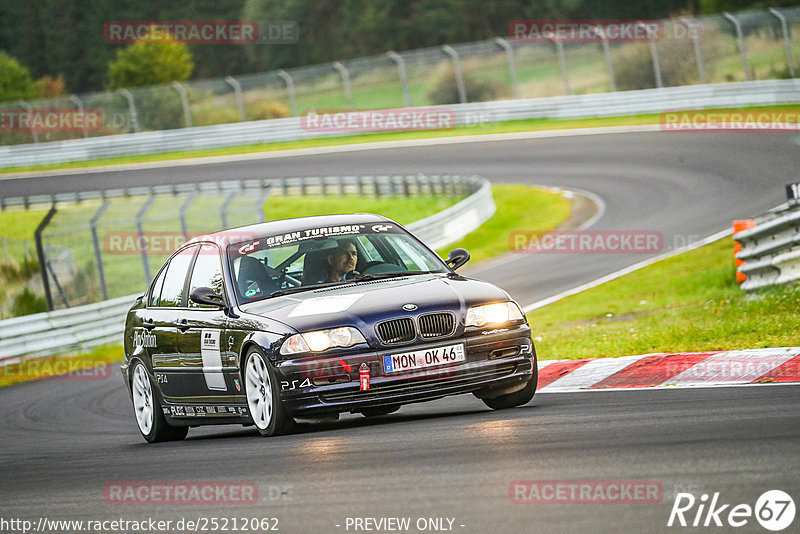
263,396
147,409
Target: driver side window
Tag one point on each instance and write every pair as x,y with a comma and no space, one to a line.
207,272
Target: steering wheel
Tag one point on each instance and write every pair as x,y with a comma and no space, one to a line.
351,275
376,267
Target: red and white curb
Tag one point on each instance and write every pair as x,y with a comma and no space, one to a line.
687,369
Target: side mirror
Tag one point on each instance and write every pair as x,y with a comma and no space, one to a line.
457,258
206,295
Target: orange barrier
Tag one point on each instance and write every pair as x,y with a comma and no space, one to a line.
740,226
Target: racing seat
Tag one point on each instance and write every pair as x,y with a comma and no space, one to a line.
253,279
315,267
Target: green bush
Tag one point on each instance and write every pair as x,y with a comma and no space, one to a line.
11,272
15,80
266,109
27,302
445,90
150,63
633,67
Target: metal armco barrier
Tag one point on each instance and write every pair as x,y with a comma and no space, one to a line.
86,326
83,327
756,93
771,250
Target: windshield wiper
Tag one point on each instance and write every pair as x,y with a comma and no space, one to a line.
301,288
378,276
345,283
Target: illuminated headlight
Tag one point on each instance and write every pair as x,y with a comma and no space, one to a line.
499,313
319,340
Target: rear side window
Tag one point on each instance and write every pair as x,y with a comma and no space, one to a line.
155,294
207,272
172,291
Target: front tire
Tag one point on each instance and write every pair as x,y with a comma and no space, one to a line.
147,409
518,398
377,411
263,397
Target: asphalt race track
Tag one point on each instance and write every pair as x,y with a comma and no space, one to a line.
63,441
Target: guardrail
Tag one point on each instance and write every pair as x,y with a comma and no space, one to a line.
756,93
82,327
771,249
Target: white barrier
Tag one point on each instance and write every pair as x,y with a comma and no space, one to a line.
690,97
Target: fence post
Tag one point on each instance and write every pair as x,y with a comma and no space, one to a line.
342,70
598,31
187,112
462,91
182,214
237,89
562,62
131,110
79,104
401,71
787,39
287,78
37,237
512,65
654,57
98,254
140,229
223,210
698,55
262,199
740,43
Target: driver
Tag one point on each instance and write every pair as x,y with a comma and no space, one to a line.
342,260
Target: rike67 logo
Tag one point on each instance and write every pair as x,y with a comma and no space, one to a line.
774,510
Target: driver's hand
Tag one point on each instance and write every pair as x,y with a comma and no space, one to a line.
350,275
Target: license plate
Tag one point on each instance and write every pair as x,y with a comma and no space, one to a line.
422,359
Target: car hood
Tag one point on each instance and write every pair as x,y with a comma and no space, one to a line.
365,303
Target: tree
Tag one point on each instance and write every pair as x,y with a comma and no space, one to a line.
15,80
147,63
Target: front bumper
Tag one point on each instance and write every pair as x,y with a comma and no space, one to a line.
496,360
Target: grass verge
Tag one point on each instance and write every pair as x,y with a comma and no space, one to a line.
689,302
529,125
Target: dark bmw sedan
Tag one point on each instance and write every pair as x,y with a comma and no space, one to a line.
308,318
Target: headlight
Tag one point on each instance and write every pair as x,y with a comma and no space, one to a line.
319,340
499,313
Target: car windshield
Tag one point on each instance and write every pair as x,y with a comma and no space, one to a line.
272,265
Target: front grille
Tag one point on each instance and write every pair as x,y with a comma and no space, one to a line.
436,324
396,330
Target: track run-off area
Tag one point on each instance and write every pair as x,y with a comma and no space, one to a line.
66,442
